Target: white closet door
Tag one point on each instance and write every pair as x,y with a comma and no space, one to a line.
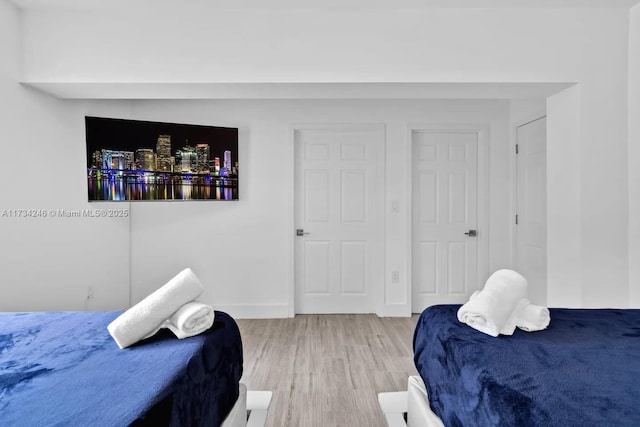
445,217
531,251
339,186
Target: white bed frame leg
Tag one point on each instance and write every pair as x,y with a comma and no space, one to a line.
394,406
414,403
257,406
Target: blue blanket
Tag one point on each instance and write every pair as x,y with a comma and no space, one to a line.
59,369
584,370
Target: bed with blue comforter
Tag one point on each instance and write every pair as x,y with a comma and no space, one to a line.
583,370
63,368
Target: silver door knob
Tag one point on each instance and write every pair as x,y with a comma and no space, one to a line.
300,232
472,233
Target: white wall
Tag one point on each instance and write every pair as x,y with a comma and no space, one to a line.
587,46
525,110
634,157
243,250
202,43
564,189
50,263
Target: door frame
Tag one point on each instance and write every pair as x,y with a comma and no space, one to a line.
377,288
483,133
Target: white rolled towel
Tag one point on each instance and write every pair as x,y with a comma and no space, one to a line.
510,325
533,317
492,310
146,317
191,319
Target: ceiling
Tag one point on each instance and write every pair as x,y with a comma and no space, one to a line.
322,4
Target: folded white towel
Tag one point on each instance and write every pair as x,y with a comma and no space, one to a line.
191,319
533,317
492,310
512,322
146,317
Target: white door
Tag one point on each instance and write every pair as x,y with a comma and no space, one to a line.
531,228
445,217
339,188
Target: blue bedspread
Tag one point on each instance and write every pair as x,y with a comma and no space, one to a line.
584,370
60,369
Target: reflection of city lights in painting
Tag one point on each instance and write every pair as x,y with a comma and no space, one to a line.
140,160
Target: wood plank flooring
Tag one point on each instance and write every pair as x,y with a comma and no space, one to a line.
326,370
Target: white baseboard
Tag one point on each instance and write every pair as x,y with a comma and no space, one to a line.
282,311
255,311
396,310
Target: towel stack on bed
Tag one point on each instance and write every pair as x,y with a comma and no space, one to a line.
173,306
502,305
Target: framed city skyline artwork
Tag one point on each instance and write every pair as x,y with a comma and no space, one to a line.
134,160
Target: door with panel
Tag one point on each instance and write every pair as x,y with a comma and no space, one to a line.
444,217
339,188
531,226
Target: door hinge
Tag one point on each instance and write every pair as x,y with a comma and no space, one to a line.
516,219
517,149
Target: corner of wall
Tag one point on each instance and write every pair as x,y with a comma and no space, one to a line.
634,156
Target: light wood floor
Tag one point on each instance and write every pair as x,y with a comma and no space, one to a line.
326,370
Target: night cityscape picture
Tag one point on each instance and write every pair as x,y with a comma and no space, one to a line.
140,160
